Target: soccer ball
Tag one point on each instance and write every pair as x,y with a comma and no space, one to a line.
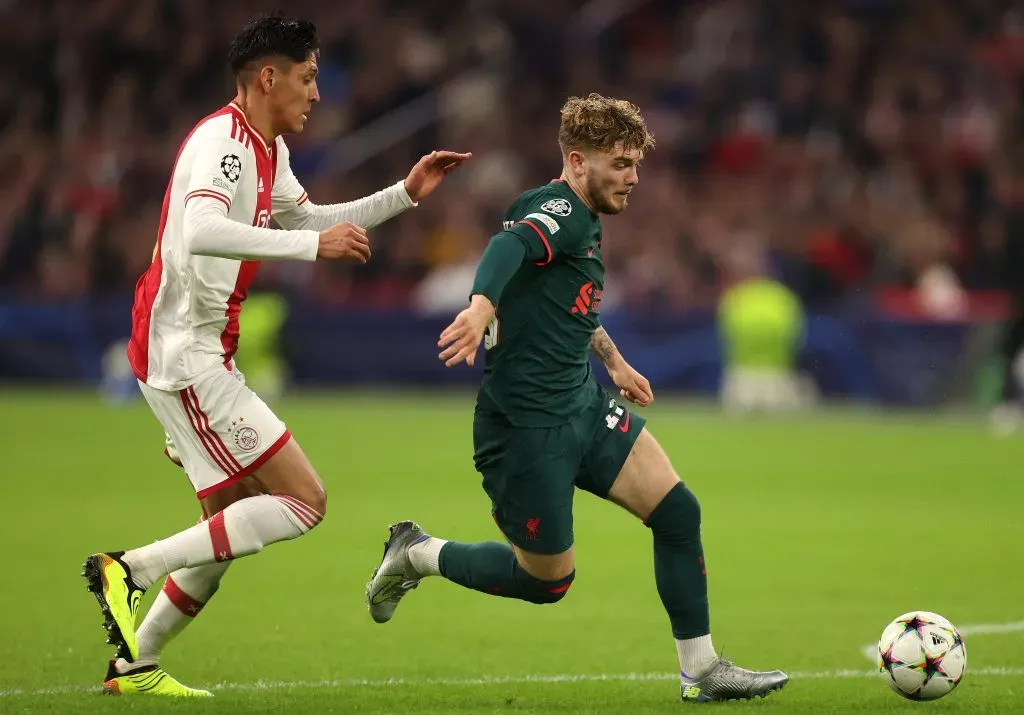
921,655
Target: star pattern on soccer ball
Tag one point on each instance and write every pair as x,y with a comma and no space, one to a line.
931,667
916,623
888,662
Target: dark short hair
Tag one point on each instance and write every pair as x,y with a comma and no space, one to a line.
273,36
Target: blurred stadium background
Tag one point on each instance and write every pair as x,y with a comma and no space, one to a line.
834,214
850,172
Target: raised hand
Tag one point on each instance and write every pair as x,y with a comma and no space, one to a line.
430,171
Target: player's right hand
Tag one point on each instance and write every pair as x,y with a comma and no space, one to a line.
461,340
344,241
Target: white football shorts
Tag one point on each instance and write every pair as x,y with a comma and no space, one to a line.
219,429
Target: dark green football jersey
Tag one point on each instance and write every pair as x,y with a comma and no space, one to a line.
537,371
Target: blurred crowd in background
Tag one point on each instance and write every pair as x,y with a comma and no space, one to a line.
840,146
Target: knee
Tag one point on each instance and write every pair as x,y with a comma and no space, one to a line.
319,502
311,503
314,495
538,591
677,515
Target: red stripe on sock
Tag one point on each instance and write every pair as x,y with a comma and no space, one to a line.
303,519
560,589
181,600
307,514
303,506
219,538
300,515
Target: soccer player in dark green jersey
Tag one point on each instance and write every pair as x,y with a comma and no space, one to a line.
544,427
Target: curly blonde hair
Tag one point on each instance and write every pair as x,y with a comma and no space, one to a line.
597,122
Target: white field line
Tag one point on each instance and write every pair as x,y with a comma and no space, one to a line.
261,685
867,650
870,651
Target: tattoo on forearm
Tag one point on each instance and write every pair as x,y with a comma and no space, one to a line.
602,346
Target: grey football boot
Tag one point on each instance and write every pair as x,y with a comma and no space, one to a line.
395,576
725,681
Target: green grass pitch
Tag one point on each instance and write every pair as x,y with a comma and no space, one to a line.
818,529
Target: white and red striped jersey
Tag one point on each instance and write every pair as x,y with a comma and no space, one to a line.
226,183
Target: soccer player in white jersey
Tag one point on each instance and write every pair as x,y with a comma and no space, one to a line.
255,484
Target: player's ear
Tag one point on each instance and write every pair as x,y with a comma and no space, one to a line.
267,77
577,162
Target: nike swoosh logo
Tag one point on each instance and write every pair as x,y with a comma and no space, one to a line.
385,592
624,425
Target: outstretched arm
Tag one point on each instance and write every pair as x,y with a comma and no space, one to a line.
208,231
459,342
294,210
367,212
632,385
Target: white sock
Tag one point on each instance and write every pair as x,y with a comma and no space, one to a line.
244,528
425,554
696,655
183,596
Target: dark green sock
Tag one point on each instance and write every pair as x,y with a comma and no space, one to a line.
488,567
679,563
491,567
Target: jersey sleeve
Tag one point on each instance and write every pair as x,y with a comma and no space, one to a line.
292,208
207,231
545,225
217,165
287,192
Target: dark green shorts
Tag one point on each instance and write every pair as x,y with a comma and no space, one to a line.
531,474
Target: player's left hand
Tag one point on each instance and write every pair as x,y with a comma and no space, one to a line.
461,340
633,386
431,170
